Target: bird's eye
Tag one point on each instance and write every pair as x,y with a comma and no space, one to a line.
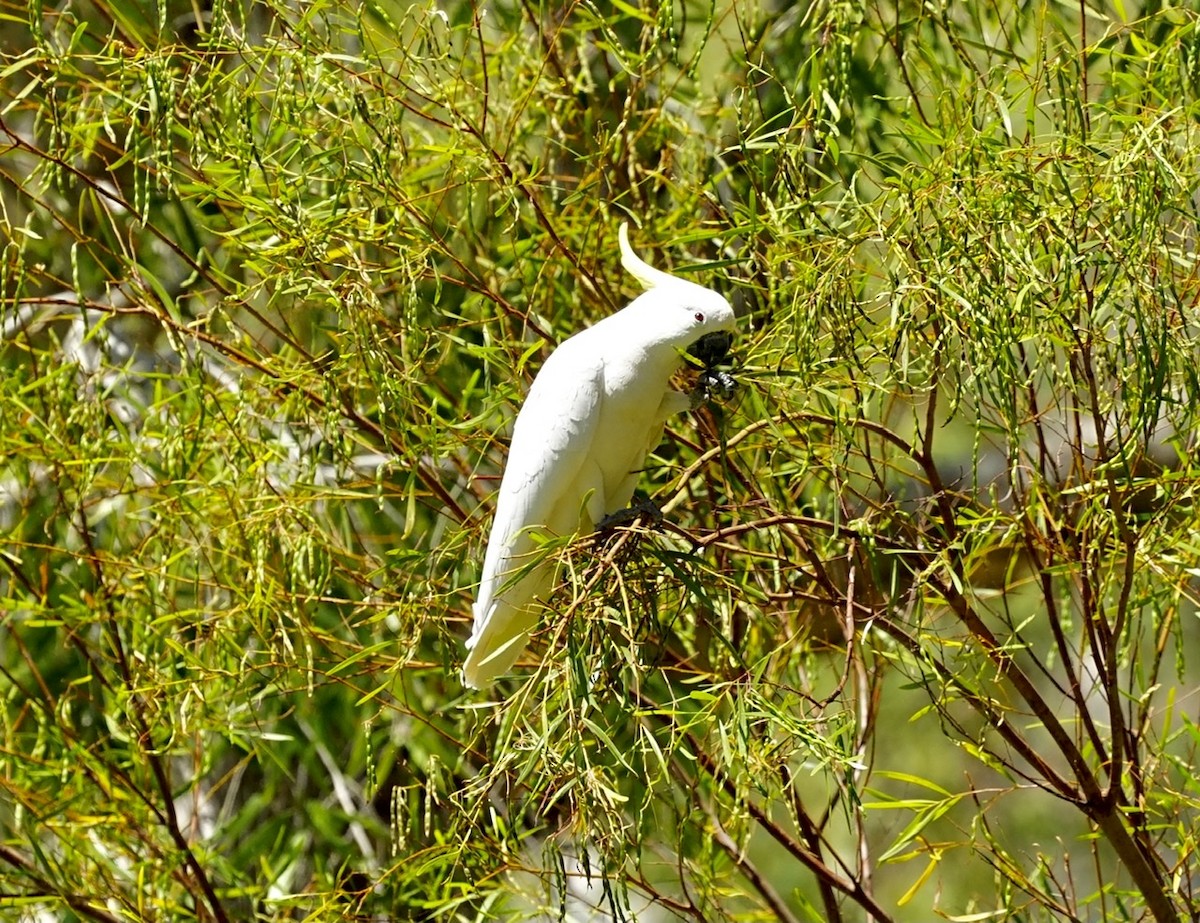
699,315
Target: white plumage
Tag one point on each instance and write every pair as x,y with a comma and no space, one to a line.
594,411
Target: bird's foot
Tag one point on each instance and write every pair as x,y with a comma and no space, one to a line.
640,508
712,384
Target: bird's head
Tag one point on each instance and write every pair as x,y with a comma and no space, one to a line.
675,311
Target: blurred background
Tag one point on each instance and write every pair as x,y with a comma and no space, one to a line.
918,637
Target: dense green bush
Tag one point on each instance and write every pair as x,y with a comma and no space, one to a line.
918,634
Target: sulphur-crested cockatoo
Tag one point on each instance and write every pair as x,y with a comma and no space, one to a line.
596,408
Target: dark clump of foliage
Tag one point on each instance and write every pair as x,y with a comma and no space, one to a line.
917,636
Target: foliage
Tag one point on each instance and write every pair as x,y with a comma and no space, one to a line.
914,636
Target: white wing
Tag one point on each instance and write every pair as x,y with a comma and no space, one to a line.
545,483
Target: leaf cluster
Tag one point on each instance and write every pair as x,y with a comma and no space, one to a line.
915,634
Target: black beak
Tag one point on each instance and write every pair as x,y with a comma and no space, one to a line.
711,348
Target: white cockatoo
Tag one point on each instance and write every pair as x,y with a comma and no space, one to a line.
594,411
